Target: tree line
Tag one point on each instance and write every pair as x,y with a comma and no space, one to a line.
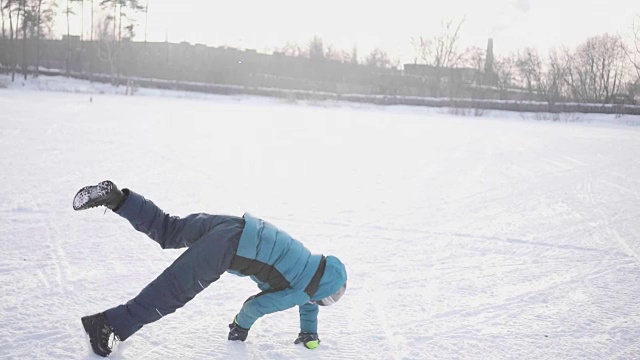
20,20
601,69
598,70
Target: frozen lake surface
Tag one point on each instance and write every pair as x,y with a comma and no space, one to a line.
464,237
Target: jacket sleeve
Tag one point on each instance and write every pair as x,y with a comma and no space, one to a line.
268,303
309,318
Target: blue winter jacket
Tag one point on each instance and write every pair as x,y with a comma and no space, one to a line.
282,267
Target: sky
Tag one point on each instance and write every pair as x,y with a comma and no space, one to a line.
269,25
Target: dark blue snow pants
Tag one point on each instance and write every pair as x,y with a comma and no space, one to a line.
212,241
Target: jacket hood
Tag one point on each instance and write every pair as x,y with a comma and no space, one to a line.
335,275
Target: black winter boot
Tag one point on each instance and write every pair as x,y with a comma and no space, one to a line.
105,193
99,332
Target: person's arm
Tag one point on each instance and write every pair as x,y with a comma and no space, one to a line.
267,303
309,318
308,326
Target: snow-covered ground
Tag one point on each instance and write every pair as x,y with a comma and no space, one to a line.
494,237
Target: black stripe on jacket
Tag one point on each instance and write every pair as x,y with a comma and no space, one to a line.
262,271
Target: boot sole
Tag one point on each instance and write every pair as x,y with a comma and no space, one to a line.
88,196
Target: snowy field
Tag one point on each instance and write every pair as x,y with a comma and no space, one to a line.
495,237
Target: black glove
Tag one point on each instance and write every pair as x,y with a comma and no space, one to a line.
310,340
237,332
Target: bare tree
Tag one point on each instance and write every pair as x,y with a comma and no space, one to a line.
121,12
125,6
633,51
293,50
553,78
108,45
563,61
81,20
68,11
25,25
475,58
130,31
17,35
109,5
35,30
316,48
29,16
32,21
504,69
530,69
12,6
596,70
44,15
380,59
2,17
441,50
146,19
91,31
337,54
634,56
109,31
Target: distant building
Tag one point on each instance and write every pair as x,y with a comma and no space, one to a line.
458,75
462,75
489,59
71,38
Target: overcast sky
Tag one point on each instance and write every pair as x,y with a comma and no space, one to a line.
267,25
